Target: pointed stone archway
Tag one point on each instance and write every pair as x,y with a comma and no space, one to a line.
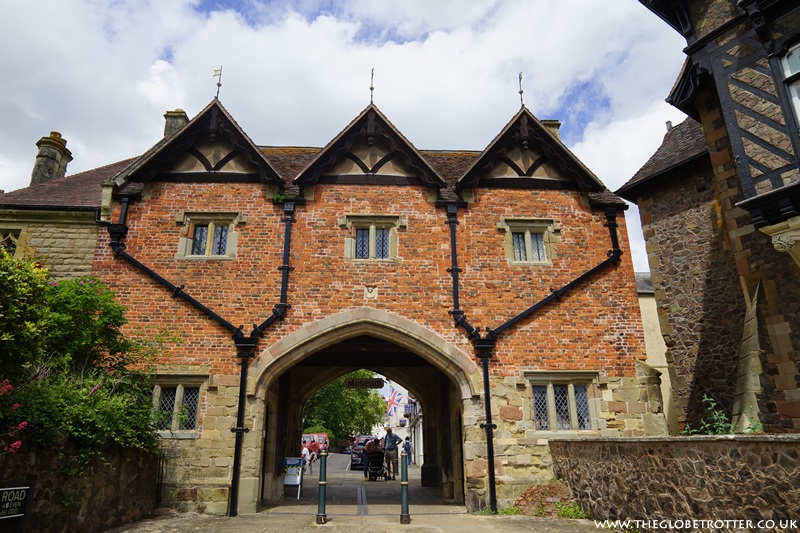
443,378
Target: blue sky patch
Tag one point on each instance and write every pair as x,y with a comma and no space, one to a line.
581,103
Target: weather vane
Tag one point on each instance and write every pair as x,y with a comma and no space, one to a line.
371,84
218,75
521,103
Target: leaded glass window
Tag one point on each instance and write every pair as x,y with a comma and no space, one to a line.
382,243
561,402
371,237
8,240
188,415
209,235
561,399
178,408
166,408
582,407
540,413
220,240
537,247
200,238
518,239
218,244
529,240
362,243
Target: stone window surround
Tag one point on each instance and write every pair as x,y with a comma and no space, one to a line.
550,231
180,382
560,377
373,222
189,219
15,232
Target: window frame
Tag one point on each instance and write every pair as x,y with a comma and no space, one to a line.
569,379
547,228
373,223
791,79
15,235
189,221
180,384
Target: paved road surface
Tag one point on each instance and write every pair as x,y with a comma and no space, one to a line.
356,506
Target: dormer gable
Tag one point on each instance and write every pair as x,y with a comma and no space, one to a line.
370,150
211,147
528,154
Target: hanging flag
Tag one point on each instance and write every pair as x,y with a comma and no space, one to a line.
394,401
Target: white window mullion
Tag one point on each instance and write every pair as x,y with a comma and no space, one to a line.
372,240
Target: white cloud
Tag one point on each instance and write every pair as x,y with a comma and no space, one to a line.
103,72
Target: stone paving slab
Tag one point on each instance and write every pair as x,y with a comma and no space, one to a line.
355,505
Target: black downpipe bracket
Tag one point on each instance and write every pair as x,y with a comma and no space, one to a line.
244,345
486,344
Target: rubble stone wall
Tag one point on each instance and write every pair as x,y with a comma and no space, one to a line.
115,489
730,477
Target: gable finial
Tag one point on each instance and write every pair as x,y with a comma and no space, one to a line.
371,84
218,75
521,102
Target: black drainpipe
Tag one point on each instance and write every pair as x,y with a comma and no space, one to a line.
486,344
244,345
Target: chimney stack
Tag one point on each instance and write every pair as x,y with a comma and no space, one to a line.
553,125
669,125
51,161
174,122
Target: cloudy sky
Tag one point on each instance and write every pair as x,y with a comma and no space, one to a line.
295,72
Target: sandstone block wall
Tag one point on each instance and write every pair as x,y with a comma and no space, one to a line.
711,477
65,247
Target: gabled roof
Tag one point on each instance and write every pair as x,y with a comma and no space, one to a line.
522,133
211,123
682,144
82,191
370,125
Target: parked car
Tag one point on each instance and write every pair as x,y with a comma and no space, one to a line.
358,447
316,441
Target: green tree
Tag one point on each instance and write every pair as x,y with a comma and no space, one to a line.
24,315
345,412
77,380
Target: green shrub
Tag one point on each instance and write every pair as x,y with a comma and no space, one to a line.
715,421
569,510
78,382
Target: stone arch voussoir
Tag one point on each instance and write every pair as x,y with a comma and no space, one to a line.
275,359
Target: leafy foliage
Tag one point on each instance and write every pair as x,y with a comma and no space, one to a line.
345,412
62,346
715,421
569,510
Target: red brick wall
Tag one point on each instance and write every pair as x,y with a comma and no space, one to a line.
597,326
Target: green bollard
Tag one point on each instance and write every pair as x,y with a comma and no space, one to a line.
405,518
322,518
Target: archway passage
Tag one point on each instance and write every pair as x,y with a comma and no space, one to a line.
436,381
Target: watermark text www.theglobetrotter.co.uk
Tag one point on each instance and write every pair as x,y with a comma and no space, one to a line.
696,524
